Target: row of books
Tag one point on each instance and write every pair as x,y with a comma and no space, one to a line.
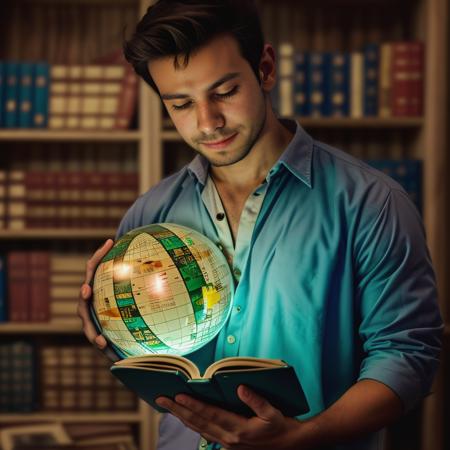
68,436
381,80
88,97
58,378
41,286
65,199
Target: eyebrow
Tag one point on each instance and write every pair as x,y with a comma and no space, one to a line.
216,84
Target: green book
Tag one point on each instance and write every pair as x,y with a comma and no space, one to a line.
152,376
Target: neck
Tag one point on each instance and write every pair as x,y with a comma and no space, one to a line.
251,171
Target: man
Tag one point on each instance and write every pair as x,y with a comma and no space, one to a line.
329,256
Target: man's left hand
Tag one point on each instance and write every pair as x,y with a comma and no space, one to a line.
268,429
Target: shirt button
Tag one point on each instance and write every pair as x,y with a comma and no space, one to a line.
237,272
220,216
219,246
231,339
256,194
238,308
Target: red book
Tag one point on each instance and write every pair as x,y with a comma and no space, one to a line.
18,281
417,78
400,73
39,272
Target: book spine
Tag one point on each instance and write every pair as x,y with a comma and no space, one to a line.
16,200
3,289
3,198
401,78
2,90
18,292
39,265
417,51
26,88
127,99
385,85
356,107
41,94
339,81
11,98
286,79
301,84
371,79
317,73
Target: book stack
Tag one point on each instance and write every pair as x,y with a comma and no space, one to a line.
67,272
76,378
18,385
385,81
92,97
76,97
74,199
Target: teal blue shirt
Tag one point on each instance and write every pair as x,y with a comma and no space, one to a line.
334,276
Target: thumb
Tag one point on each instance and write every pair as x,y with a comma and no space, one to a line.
261,407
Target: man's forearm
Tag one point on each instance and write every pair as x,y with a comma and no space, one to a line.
366,407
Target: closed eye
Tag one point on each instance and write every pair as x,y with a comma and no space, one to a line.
183,106
229,93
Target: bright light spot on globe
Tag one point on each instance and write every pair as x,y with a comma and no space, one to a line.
122,270
159,285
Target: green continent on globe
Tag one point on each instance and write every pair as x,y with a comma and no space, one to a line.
162,288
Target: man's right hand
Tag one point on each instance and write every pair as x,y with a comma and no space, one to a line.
85,297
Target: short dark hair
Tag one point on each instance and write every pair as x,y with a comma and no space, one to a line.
177,28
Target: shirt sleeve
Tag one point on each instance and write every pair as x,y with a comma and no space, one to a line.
400,325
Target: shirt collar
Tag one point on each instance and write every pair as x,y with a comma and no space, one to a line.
297,157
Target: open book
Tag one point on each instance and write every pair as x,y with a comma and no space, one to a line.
152,376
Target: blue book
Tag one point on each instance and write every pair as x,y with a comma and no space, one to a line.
371,79
339,85
318,72
41,95
11,95
3,290
26,82
301,84
407,172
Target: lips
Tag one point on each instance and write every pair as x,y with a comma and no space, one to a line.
220,144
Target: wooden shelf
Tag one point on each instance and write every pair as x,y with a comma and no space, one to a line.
122,417
27,135
40,328
169,134
75,233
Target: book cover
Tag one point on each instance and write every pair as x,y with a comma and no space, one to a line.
11,95
339,84
371,79
41,94
154,375
26,94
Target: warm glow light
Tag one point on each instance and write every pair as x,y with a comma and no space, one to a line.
122,270
159,285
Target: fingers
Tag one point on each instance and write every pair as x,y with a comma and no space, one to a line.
95,259
86,293
262,408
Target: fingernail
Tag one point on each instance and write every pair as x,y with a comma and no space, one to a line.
85,291
100,341
160,401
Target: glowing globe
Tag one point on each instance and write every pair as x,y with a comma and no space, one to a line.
162,288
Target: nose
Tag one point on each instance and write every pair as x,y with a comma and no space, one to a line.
209,118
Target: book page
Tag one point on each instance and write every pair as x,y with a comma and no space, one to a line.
242,363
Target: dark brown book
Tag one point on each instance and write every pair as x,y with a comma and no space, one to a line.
18,281
39,267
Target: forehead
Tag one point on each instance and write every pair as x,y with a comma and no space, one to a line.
211,62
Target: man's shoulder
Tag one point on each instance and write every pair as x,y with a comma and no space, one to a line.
351,171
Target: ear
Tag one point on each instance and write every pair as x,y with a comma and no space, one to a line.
267,68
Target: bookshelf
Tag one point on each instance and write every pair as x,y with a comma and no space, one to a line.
157,148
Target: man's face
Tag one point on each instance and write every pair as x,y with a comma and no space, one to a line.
216,102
